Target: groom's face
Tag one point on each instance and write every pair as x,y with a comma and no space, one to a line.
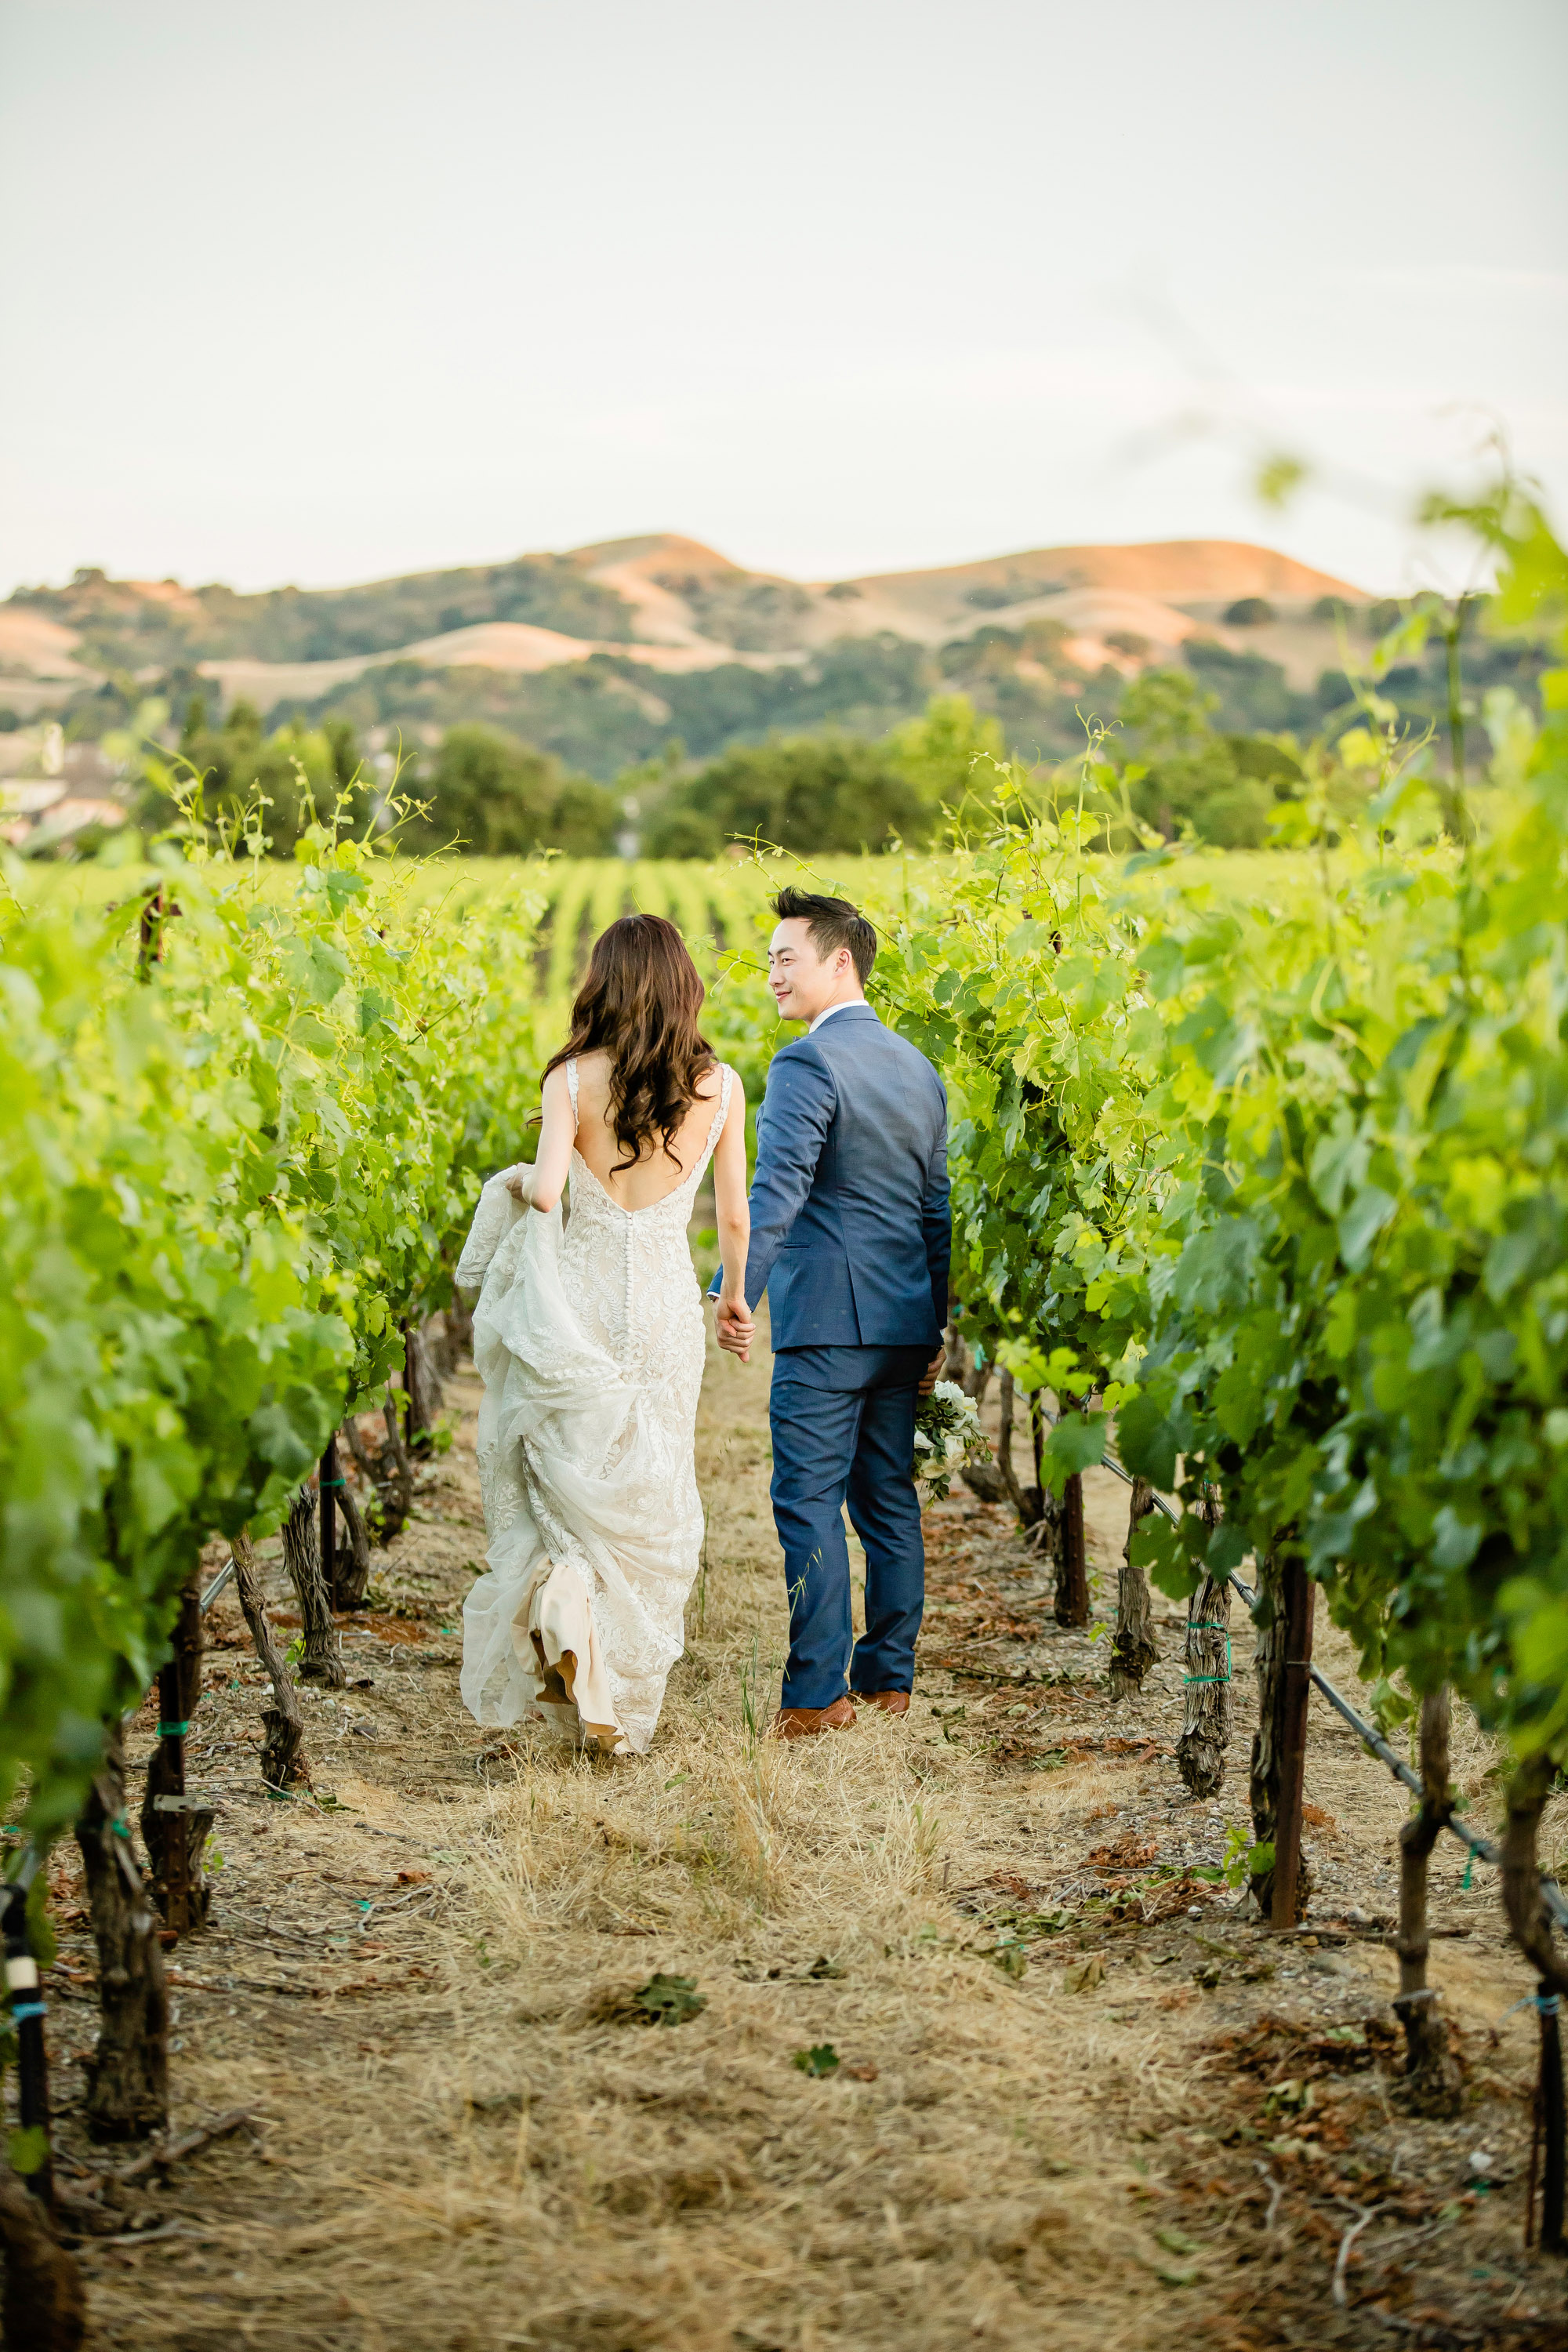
804,982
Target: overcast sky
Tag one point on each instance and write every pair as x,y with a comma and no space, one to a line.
323,292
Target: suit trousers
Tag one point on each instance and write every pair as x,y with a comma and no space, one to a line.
843,1422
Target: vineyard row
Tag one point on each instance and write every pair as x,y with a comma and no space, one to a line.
1274,1188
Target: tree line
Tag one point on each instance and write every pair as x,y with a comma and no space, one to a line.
1172,765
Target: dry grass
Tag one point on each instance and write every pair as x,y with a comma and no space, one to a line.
465,2141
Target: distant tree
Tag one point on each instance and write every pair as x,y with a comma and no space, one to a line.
1249,692
682,833
807,793
488,794
295,771
347,756
1249,611
1271,763
1193,776
493,795
1330,608
1168,711
584,819
946,753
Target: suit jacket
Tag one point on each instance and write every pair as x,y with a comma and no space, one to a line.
851,1232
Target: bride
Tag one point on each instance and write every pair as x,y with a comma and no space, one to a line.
589,1337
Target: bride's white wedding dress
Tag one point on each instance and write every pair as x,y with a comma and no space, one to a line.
589,1337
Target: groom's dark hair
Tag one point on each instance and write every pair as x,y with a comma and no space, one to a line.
833,923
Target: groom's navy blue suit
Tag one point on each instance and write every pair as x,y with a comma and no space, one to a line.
851,1237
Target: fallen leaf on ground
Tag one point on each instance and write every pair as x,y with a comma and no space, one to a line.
1125,1853
668,2000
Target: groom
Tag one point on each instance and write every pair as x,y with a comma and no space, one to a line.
851,1238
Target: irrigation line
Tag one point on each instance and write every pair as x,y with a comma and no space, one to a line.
1485,1849
224,1576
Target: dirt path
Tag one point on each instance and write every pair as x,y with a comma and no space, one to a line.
1079,2098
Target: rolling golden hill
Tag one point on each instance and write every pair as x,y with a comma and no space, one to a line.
668,602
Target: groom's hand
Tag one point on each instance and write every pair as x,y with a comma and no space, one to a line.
735,1331
933,1371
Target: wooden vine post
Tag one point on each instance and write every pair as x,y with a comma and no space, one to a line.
389,1472
175,1826
322,1660
1298,1595
1032,1507
1527,1916
1072,1558
350,1578
1206,1678
423,1390
328,1482
1133,1649
1267,1748
1431,2078
1205,1690
43,2304
128,2074
456,1337
1550,2123
1009,1476
283,1723
157,910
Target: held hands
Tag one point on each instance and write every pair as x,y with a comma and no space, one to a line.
735,1328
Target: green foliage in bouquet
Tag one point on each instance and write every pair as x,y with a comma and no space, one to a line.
947,1435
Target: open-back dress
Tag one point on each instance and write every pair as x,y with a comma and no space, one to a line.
589,1337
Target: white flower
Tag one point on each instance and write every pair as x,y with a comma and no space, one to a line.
947,1434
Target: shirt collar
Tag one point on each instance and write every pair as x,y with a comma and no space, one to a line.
847,1006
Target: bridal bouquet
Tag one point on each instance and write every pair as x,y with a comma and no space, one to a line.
947,1435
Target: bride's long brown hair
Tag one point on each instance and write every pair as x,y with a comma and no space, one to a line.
639,1006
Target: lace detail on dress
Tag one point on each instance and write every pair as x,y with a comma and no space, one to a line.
589,1335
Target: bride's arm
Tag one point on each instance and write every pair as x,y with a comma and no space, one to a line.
730,1204
547,1176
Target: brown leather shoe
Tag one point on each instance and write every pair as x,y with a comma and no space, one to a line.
805,1722
891,1702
